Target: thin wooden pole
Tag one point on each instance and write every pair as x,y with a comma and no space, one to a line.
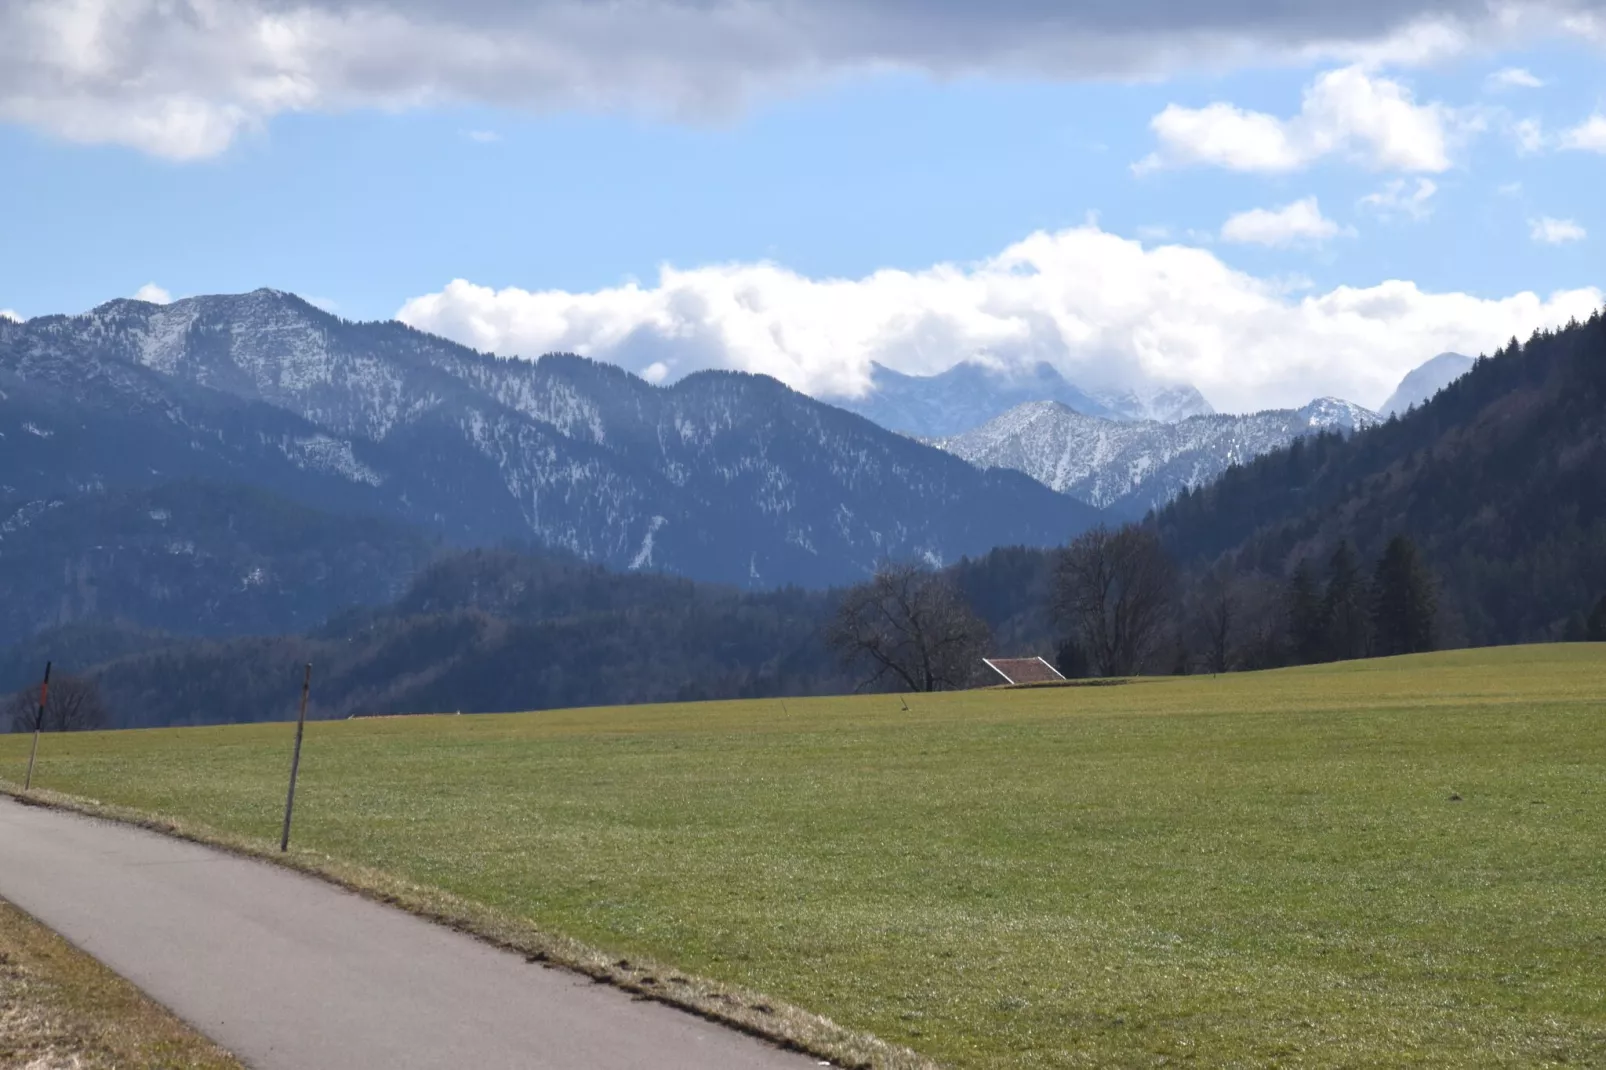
295,761
38,723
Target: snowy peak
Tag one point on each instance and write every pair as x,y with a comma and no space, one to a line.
1335,414
1425,380
970,393
1130,467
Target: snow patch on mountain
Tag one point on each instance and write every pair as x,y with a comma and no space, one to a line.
323,453
1131,467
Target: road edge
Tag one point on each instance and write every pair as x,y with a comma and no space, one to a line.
86,1012
779,1023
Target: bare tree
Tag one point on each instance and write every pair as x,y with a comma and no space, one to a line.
1213,612
1116,590
73,705
911,628
1262,622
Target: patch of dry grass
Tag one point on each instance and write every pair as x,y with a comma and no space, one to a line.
62,1010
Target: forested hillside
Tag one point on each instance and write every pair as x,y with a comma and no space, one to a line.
1500,480
477,631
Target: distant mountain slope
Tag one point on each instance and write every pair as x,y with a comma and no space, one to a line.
722,476
195,559
1130,468
1425,380
475,631
1500,478
969,394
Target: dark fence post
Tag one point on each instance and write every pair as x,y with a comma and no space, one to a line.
295,761
38,723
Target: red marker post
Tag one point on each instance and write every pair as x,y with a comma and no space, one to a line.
38,723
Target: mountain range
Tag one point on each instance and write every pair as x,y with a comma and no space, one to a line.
722,476
970,393
1130,467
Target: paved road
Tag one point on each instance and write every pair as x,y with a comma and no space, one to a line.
292,973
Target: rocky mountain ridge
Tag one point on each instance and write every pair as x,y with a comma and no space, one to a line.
1130,467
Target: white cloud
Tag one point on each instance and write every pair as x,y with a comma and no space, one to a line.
1293,224
154,294
1349,111
1550,231
1514,78
184,78
1102,308
1529,134
483,137
1400,198
1588,136
8,314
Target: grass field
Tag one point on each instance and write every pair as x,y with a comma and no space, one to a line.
1398,862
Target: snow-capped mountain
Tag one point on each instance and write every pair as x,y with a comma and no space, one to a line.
721,476
1131,467
970,393
1425,380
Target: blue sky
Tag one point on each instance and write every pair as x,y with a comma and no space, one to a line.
1468,172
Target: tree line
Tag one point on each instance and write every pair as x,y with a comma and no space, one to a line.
1120,606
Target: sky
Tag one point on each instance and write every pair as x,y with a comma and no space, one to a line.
1269,199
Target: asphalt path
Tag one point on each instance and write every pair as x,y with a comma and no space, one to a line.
291,973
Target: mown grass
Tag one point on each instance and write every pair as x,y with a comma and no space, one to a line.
62,1010
1398,862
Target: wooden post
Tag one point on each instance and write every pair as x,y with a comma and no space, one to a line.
295,761
38,723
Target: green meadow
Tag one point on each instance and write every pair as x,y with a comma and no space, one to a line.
1396,862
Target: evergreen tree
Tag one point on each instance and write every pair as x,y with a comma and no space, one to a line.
1404,605
1346,607
1307,627
1071,661
1595,632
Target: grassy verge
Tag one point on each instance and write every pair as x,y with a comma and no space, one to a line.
62,1010
1394,862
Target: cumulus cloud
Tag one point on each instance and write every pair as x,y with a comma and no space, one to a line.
1293,224
1350,111
8,314
1548,231
183,78
1104,309
154,294
1514,78
1399,198
1588,136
